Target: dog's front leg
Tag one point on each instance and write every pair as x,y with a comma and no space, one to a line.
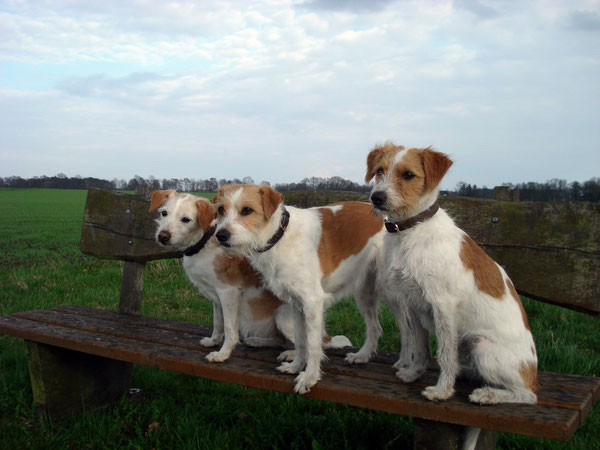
444,317
217,333
313,322
415,352
230,302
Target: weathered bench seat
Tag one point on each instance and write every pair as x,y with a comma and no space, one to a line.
564,400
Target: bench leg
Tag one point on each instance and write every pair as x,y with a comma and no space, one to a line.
65,382
432,435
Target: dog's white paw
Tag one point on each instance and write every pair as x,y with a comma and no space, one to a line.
407,374
287,355
304,382
483,396
356,358
435,393
217,356
289,367
209,342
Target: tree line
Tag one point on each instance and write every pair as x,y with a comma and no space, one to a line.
554,190
550,191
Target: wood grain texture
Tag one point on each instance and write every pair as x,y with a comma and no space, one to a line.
63,381
565,400
119,226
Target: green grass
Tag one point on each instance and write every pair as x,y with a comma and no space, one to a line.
41,266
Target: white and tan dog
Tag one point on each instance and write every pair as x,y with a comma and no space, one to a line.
447,283
242,307
309,258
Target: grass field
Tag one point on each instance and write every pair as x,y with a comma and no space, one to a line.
41,266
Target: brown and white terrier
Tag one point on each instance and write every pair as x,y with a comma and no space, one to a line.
308,258
446,283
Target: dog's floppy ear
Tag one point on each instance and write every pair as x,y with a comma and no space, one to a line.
206,213
159,197
373,159
271,199
436,165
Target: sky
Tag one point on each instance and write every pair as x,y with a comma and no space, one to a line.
282,90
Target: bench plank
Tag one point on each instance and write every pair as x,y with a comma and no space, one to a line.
139,340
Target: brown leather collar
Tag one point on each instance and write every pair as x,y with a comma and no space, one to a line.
395,227
194,249
285,219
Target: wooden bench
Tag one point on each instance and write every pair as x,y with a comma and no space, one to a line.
81,357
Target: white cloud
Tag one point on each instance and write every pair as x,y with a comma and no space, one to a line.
293,90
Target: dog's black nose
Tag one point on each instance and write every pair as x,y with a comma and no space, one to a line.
164,237
378,198
223,235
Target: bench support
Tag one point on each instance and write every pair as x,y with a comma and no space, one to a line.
132,286
65,382
432,435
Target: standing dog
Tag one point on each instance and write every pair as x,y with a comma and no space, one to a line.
308,258
241,305
446,282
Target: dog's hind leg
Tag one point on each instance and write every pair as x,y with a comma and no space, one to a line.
514,380
299,353
368,305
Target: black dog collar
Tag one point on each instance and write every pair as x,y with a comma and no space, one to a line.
285,219
191,251
395,227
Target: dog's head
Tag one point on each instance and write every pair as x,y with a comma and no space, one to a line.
182,218
406,181
247,216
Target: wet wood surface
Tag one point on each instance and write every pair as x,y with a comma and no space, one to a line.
564,400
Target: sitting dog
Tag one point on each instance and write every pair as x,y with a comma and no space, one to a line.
241,305
447,283
309,258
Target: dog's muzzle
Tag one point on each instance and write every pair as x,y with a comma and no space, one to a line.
379,198
223,236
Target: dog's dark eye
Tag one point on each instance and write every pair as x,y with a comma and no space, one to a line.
164,213
221,211
379,172
246,211
408,175
186,219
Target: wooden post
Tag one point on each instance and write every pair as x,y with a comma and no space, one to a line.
132,286
432,435
65,382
